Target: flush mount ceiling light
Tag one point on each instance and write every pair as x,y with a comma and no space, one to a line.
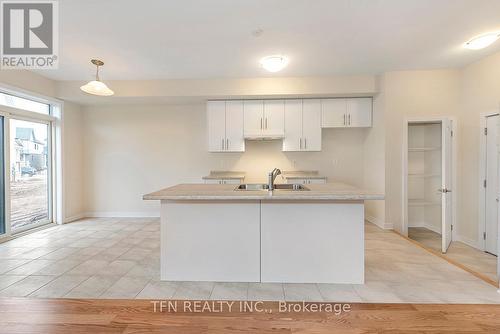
480,42
274,63
97,87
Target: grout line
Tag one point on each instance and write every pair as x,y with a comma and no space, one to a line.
450,261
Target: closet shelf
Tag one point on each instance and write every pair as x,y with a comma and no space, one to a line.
421,202
423,149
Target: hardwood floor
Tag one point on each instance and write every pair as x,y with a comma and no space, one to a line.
26,315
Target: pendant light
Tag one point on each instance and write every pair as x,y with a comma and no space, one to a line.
97,87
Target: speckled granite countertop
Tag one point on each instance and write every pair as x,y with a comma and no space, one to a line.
328,191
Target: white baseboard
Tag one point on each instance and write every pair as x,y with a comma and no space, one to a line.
380,223
427,226
74,218
470,242
107,214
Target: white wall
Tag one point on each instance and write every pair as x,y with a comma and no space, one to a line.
374,161
411,94
480,92
73,162
135,149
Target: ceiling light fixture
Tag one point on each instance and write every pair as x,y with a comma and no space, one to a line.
97,87
274,63
482,41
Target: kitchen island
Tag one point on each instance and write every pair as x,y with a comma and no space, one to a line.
214,232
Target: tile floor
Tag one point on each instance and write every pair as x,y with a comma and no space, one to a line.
119,258
466,255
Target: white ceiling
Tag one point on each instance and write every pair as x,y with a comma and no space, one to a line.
154,39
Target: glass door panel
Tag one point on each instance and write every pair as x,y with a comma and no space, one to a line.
29,175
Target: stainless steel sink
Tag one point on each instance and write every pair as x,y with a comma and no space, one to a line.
262,186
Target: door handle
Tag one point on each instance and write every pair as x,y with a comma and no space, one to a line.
444,190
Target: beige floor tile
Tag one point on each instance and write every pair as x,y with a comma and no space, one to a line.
339,293
26,286
265,291
7,280
30,267
59,286
194,290
92,287
230,291
302,292
126,288
158,290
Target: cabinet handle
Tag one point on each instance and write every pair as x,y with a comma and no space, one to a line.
344,119
266,123
222,145
300,141
227,144
305,143
349,119
261,123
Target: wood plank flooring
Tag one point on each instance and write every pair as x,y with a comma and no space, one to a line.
27,315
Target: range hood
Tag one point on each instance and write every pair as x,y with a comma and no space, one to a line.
266,136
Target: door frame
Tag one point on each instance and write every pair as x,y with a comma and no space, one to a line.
481,243
454,195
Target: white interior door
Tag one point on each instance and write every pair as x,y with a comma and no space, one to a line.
446,188
491,228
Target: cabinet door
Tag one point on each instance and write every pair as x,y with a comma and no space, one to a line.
235,142
216,119
293,126
274,117
360,112
311,125
253,112
333,113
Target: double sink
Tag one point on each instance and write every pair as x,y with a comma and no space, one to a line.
265,187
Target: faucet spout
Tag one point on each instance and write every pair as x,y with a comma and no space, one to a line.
271,177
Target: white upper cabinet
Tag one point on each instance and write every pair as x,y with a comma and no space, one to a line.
235,142
333,113
216,116
302,125
225,126
274,118
253,112
264,119
352,112
293,126
360,112
311,125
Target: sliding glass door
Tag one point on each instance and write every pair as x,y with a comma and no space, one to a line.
29,170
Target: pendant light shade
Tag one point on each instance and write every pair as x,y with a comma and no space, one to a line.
97,87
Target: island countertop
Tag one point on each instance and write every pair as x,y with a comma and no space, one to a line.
329,191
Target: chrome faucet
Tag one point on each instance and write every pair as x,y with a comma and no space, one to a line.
272,177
